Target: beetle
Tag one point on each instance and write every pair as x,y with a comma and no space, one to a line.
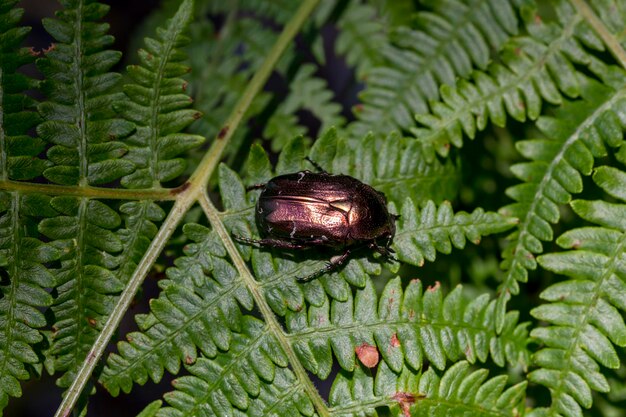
310,209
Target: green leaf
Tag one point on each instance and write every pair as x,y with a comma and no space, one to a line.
574,138
78,114
456,392
422,233
442,44
584,311
23,257
197,311
156,103
309,93
536,67
405,325
20,152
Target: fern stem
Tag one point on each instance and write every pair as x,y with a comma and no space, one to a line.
194,189
266,311
600,28
162,194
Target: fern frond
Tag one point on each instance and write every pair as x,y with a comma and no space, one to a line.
19,152
409,326
579,132
157,105
22,258
535,68
79,120
84,234
309,93
196,310
251,378
584,314
221,65
361,37
457,392
80,123
422,233
446,43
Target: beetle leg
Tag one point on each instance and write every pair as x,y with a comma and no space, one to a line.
385,251
316,165
274,243
334,263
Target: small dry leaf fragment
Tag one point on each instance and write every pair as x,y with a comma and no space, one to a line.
367,354
405,400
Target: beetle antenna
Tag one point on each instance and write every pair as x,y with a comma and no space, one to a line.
255,186
316,165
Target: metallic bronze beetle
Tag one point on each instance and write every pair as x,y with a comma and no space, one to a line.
307,209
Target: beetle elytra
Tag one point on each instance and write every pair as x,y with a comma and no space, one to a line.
307,209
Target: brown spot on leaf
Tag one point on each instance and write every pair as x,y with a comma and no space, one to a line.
32,51
433,288
367,354
395,342
405,401
223,132
51,48
185,84
92,322
188,360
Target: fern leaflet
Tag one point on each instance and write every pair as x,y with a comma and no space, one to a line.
583,312
577,135
454,393
409,326
445,44
191,306
23,256
534,68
